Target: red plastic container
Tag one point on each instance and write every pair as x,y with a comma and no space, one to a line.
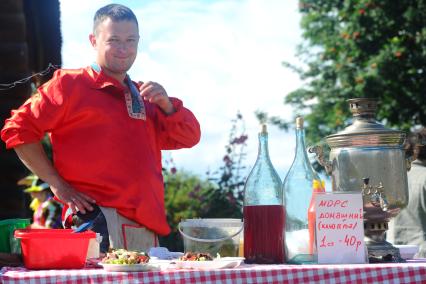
54,248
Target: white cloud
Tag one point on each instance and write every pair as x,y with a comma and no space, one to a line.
219,57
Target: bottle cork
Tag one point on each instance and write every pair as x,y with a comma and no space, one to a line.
264,128
299,122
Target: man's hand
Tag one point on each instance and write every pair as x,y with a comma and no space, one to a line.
34,157
156,94
77,201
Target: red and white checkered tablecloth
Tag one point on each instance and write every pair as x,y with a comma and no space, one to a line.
411,272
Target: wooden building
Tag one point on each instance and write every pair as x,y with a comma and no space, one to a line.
30,40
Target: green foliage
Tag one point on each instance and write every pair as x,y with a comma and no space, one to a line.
185,196
219,195
184,199
229,177
361,48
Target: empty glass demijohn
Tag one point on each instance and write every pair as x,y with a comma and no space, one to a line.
299,186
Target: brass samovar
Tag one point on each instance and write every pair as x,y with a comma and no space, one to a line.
369,158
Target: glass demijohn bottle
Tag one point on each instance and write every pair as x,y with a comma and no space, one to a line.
264,213
299,187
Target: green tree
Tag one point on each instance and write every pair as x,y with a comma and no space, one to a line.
184,199
360,48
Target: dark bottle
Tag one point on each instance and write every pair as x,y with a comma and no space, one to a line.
264,214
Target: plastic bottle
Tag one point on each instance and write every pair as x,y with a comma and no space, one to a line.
264,213
297,191
317,186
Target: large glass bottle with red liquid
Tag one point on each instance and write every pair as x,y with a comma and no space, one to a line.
298,191
264,213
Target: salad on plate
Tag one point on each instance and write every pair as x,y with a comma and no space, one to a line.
121,260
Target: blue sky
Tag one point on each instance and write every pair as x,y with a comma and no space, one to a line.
219,57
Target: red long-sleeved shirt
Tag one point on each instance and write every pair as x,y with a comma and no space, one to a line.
98,148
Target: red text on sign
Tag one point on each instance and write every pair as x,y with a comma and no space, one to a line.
333,203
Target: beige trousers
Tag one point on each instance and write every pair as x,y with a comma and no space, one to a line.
127,234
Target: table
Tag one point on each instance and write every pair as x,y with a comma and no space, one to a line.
410,272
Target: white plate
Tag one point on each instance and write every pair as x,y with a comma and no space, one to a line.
407,251
163,253
131,267
223,262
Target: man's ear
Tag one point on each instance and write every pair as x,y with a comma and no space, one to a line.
92,39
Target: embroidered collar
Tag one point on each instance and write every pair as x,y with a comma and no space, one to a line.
134,102
100,80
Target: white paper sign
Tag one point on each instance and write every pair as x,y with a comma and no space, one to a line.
340,228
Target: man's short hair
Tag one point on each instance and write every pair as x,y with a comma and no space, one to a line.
115,12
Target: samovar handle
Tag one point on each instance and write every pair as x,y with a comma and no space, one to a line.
319,156
419,141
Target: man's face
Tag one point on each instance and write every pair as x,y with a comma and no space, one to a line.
116,45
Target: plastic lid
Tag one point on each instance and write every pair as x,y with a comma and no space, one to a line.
211,222
365,130
14,221
52,233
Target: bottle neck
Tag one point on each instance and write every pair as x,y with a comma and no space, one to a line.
263,152
300,145
301,159
318,185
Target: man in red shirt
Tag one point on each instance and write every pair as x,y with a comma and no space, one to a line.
107,133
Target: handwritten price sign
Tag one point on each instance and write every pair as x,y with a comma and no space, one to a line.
339,228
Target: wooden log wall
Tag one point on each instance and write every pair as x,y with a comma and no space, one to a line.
30,39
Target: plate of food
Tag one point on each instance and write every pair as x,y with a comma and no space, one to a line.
130,267
121,260
194,260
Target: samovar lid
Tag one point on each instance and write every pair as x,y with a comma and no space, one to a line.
365,130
